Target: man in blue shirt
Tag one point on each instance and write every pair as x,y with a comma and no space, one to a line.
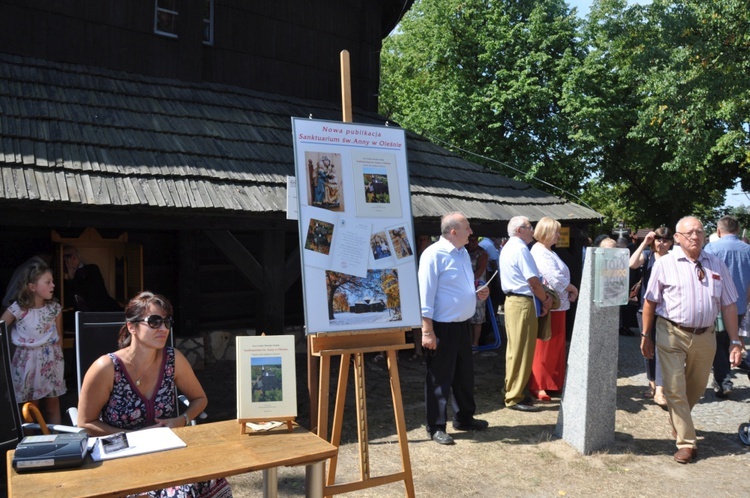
448,299
736,255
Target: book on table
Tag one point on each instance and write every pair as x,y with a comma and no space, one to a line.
266,378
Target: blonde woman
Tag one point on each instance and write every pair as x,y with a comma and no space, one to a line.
548,368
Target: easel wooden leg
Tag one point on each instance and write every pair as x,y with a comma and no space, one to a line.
398,411
338,414
324,385
359,382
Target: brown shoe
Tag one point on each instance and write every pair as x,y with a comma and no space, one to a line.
686,455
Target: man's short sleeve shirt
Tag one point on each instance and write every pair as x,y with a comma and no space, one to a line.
685,299
446,283
517,266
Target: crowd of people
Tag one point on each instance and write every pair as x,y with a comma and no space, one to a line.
691,299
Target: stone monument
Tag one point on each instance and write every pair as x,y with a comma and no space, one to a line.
587,412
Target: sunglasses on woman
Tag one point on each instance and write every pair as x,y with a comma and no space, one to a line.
156,321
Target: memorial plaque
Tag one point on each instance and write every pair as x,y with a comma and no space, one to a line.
611,281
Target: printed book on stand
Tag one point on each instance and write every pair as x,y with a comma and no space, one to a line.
266,378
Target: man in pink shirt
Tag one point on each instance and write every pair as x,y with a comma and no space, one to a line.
687,290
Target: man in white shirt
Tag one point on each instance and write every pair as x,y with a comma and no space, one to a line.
448,297
519,277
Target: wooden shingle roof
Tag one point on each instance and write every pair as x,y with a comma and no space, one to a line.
80,136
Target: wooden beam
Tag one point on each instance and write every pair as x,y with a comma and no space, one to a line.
271,310
189,262
238,255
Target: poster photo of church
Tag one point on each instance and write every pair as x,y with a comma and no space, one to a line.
354,300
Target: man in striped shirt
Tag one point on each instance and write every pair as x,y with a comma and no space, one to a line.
687,290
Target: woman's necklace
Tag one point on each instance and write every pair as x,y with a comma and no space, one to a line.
138,380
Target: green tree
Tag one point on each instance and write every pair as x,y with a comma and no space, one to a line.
659,105
487,77
643,110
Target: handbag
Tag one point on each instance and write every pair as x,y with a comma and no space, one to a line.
635,291
555,298
544,329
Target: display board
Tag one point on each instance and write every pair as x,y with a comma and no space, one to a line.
355,224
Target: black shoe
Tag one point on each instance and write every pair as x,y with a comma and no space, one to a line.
524,406
441,437
727,387
720,392
474,424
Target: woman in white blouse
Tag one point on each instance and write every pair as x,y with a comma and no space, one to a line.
548,368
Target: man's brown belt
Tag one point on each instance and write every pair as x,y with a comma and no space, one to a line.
692,330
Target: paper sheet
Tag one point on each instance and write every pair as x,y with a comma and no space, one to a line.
140,442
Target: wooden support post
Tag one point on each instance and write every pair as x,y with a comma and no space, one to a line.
346,87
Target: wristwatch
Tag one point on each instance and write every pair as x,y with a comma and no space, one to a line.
736,343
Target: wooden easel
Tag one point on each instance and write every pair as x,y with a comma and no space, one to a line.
356,344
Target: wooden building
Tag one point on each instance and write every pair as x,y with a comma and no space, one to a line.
165,127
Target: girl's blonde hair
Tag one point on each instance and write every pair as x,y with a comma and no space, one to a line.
31,275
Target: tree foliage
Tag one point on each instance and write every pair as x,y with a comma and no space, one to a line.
487,76
642,110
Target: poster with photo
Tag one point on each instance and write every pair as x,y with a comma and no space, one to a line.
400,238
324,186
318,230
376,184
355,225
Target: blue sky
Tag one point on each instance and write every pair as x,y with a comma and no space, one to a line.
583,6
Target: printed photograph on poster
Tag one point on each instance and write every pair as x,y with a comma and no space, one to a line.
399,236
319,236
381,251
356,300
324,185
266,377
376,186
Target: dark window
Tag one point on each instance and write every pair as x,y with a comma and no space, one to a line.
208,22
165,18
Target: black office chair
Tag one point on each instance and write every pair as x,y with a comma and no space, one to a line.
96,335
11,431
15,429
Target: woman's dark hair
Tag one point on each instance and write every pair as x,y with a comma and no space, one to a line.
137,308
664,233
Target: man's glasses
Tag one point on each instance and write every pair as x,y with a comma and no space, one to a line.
156,321
692,233
700,271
